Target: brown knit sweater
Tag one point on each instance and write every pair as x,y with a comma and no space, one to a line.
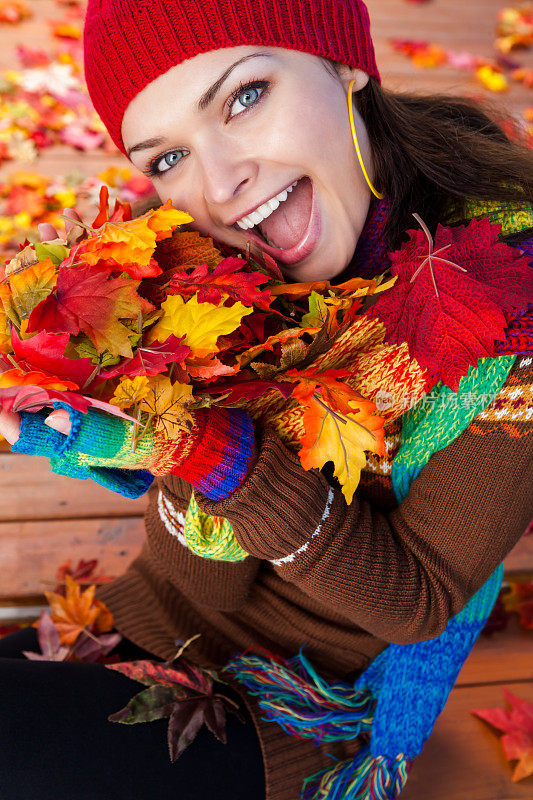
342,580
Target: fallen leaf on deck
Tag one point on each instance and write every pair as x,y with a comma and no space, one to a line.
517,724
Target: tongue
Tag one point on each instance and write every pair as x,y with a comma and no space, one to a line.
286,225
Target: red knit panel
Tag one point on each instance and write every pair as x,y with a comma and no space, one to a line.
211,435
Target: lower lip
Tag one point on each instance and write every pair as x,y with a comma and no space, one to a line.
301,250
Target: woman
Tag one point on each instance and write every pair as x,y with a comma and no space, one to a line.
241,113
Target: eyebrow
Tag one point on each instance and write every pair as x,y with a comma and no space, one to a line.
205,100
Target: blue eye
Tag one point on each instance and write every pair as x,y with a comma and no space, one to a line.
166,163
248,95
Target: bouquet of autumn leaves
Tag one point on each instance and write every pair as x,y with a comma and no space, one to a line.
149,321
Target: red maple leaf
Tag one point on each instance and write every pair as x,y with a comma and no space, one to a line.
250,389
150,360
518,727
180,691
448,301
212,284
83,574
86,300
44,351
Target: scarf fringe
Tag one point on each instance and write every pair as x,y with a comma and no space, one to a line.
297,698
360,778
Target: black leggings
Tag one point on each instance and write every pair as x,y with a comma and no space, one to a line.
56,742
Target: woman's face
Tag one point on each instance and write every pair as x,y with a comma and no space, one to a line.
264,143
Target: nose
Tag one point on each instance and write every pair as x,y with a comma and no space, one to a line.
224,173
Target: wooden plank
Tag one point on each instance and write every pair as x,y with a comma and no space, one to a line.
503,656
520,559
32,551
31,491
463,758
452,25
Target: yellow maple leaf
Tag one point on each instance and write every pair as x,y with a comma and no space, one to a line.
342,439
168,402
130,391
164,219
5,333
200,323
31,286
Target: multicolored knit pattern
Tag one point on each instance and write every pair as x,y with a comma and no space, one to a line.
442,415
204,535
98,447
214,455
221,450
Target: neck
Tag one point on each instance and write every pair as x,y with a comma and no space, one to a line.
370,257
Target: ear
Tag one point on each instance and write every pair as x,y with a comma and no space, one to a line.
347,74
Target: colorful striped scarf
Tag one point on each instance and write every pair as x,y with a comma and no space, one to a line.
399,696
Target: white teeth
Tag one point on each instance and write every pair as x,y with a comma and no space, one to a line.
256,217
265,209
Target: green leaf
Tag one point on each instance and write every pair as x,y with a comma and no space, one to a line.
152,703
86,349
55,252
318,311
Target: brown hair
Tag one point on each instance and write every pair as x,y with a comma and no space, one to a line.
429,150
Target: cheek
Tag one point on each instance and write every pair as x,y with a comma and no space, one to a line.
316,133
185,198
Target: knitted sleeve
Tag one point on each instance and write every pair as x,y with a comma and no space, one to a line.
214,455
400,574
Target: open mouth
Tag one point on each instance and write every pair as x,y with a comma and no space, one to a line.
291,232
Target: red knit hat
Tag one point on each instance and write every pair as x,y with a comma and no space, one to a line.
129,43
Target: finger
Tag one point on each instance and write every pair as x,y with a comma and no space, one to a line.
9,425
60,421
74,233
73,214
47,232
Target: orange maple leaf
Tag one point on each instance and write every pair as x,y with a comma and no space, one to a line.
185,249
299,290
16,377
336,394
78,611
131,241
340,438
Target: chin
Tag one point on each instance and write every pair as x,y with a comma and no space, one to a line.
318,271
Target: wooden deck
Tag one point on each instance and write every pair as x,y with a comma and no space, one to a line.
45,519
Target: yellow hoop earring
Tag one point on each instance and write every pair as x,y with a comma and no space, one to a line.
356,143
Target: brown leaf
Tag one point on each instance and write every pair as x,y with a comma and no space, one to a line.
185,721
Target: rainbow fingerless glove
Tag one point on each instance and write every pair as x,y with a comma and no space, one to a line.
214,456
